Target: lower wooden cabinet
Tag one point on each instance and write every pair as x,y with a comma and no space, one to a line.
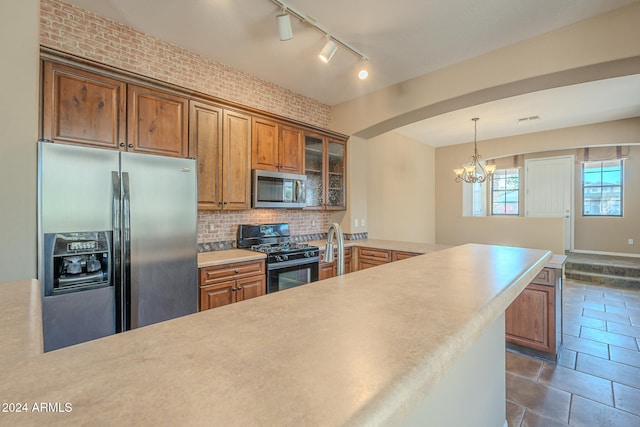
532,320
400,255
330,269
228,283
371,257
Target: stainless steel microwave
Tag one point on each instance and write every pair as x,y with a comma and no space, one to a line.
278,190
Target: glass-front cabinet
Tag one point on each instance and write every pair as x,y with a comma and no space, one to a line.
324,167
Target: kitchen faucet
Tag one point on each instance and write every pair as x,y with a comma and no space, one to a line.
335,231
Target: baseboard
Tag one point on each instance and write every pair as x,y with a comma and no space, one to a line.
580,251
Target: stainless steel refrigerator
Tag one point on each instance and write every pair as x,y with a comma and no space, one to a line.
117,241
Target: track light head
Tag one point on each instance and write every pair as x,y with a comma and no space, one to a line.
327,51
364,70
284,27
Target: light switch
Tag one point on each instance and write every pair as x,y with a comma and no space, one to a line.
356,222
363,222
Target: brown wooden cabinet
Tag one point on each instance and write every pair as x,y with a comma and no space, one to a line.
330,269
221,142
157,122
325,168
228,283
531,320
400,255
276,146
371,257
80,107
87,108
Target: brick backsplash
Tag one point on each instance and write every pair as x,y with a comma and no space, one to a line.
79,32
225,224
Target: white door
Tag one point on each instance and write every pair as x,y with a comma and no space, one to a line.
549,191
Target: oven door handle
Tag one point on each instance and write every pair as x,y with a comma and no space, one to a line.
292,263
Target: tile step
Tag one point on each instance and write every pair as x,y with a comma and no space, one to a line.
603,279
606,269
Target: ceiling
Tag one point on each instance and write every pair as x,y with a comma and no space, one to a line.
401,39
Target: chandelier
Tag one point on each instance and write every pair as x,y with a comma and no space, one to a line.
475,171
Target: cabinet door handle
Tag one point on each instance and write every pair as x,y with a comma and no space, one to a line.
130,145
239,288
237,271
122,144
233,289
225,203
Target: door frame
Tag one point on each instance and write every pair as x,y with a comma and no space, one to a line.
572,193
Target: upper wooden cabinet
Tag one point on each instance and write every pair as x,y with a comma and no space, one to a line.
221,141
158,122
276,146
324,166
80,107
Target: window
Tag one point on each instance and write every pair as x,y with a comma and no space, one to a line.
602,188
505,192
474,198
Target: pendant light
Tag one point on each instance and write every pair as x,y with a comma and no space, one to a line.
474,171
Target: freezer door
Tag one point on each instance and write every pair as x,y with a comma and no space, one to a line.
75,192
160,226
75,187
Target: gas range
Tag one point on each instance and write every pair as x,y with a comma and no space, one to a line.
287,251
288,263
275,241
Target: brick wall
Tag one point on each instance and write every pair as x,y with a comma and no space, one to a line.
82,33
225,224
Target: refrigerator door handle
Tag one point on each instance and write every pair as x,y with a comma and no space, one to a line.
117,247
126,252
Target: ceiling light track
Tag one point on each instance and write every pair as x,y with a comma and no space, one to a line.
330,37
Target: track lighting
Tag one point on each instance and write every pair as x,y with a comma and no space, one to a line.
327,51
364,71
284,26
331,45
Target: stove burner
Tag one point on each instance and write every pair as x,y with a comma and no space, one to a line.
281,247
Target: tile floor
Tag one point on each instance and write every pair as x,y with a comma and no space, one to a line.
596,382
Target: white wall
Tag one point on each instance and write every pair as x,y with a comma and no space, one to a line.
19,44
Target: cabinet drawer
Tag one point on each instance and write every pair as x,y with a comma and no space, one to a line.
399,255
546,276
375,254
236,270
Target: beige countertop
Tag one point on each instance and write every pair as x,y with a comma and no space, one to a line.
557,261
20,322
208,259
394,245
359,349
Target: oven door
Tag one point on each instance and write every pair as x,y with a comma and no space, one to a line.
289,274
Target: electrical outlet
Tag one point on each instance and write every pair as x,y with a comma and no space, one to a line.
314,223
356,222
363,222
212,227
630,241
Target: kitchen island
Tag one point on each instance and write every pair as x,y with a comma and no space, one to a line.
376,347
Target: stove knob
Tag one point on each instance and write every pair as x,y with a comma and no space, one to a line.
279,258
308,254
286,257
